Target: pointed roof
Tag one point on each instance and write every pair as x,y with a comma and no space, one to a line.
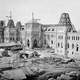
10,23
65,19
18,24
2,23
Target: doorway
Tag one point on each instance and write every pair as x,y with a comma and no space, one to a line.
35,44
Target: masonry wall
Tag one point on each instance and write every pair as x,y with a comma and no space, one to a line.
55,38
61,40
6,34
73,45
50,36
28,30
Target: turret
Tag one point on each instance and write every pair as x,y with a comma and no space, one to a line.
65,19
10,23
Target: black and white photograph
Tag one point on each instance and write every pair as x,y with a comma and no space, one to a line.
39,39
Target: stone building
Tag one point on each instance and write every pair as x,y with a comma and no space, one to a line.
10,32
73,45
22,35
33,34
63,37
18,31
56,38
1,31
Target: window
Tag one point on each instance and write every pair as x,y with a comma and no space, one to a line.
72,46
22,28
13,38
61,45
48,29
67,45
28,44
72,52
68,37
77,48
45,29
60,37
52,29
58,44
51,42
10,38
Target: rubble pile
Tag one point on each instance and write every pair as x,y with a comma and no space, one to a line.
47,68
63,69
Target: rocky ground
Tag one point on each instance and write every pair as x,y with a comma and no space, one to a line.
43,68
53,69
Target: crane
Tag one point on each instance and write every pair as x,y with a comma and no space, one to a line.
33,19
10,16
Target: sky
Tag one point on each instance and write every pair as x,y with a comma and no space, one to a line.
48,11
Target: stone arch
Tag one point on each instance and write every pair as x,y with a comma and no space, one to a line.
35,43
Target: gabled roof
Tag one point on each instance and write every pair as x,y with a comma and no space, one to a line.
11,23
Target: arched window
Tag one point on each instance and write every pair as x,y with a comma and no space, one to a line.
61,45
52,29
28,44
35,43
48,29
77,47
51,42
72,46
67,45
58,44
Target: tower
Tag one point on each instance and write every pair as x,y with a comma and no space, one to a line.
10,30
33,33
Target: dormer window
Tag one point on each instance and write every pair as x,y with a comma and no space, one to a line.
48,29
22,28
45,29
52,29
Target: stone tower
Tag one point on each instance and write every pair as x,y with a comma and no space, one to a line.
10,32
33,36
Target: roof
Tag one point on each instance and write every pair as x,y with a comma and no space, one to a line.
53,25
10,23
18,24
65,19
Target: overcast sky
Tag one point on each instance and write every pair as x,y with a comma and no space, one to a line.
48,11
